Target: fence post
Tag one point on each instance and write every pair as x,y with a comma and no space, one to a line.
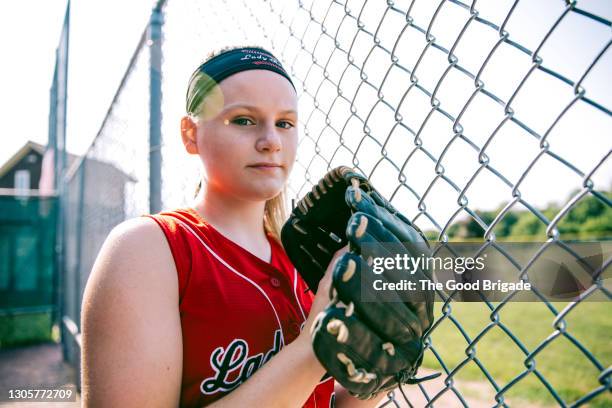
155,115
57,134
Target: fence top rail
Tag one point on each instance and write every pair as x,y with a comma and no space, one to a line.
27,193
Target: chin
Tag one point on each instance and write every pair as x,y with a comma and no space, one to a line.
265,192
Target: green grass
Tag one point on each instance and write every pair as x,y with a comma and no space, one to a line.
20,330
561,363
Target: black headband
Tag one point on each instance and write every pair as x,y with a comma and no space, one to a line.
229,63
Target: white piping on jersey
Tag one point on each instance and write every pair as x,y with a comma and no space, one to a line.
280,326
330,396
295,293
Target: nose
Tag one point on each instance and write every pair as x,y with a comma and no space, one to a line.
268,139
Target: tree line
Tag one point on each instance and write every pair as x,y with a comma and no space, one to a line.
589,218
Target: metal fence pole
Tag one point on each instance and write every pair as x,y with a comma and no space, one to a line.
155,158
57,133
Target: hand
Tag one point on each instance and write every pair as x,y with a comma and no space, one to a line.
322,298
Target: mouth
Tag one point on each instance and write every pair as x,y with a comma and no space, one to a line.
265,166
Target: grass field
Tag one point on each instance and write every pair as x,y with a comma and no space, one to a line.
561,363
25,329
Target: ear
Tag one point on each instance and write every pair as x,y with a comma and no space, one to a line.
189,131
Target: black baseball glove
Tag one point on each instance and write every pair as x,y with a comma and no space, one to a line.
369,340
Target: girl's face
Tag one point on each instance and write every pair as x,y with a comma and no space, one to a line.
247,135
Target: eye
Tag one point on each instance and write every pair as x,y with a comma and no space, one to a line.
242,121
284,124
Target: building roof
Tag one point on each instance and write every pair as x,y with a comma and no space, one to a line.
24,151
71,167
21,153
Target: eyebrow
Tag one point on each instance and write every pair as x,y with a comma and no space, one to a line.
254,108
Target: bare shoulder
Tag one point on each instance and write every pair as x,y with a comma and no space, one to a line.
135,249
130,321
138,233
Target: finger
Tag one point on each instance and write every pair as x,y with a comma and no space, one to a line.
355,355
361,239
395,223
371,238
389,317
368,233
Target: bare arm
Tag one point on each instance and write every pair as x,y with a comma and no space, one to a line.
132,345
285,381
345,400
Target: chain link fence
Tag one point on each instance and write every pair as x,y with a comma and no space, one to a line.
106,186
450,108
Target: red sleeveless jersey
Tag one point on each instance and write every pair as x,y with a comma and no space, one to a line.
237,311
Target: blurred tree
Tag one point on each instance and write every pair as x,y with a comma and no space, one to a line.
527,225
589,218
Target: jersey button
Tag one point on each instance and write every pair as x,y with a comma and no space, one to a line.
275,282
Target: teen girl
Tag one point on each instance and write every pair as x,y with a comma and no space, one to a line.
201,305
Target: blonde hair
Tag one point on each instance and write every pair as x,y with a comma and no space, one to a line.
275,213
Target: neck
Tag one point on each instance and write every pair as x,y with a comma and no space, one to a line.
239,220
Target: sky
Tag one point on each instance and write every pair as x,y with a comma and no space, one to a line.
104,35
25,80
